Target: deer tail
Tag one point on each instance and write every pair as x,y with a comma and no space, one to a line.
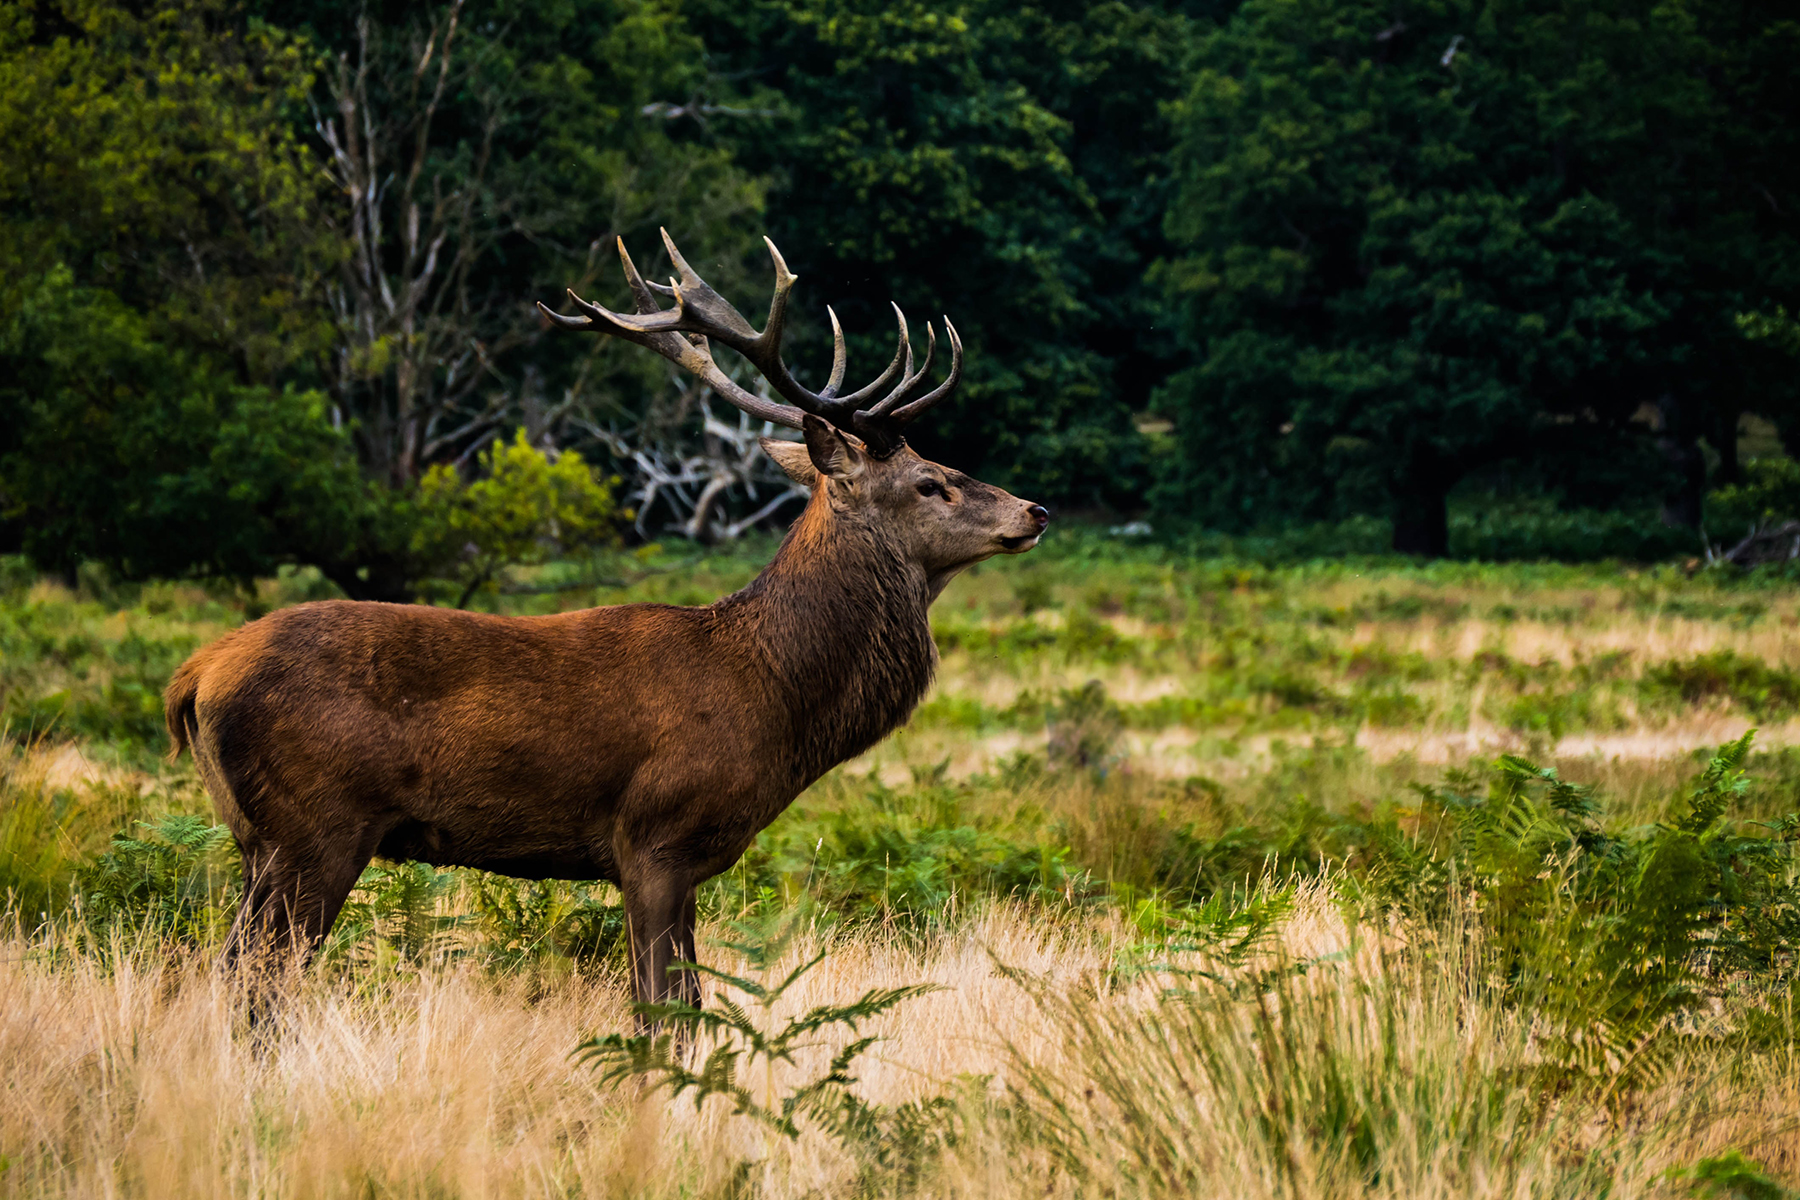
178,705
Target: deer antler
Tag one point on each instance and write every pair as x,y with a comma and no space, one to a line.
681,335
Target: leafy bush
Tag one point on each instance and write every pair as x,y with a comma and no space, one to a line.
542,923
1605,936
394,914
909,857
525,508
1768,495
1392,708
177,882
1084,727
1507,531
1763,691
1731,1176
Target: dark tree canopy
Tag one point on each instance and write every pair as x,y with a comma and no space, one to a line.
264,268
1419,242
999,163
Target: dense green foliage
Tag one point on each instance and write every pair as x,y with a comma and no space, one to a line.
162,249
1606,934
225,350
999,163
1477,239
525,508
267,267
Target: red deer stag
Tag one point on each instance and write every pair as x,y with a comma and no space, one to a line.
643,744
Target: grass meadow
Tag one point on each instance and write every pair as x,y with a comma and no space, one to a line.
1191,877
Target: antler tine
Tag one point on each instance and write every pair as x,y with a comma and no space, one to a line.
906,413
839,359
640,292
664,332
902,355
683,334
557,318
769,340
713,315
910,382
654,321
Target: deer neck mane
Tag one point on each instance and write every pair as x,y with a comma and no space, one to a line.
840,619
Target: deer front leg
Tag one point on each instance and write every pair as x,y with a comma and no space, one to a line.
688,982
659,914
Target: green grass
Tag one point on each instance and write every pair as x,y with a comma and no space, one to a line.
1156,758
1273,674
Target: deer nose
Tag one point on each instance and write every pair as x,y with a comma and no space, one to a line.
1040,514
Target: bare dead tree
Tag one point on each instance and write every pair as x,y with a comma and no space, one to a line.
419,336
1765,543
696,486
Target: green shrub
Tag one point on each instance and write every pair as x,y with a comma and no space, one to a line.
915,857
1032,592
1765,692
891,1144
178,883
394,914
1084,727
1606,936
1731,1176
1392,708
1496,530
536,923
1768,494
525,507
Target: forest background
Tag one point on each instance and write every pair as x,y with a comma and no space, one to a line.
1418,877
1502,279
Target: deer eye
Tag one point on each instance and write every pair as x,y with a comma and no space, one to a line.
932,487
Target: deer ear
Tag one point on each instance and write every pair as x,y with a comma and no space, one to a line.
833,452
794,460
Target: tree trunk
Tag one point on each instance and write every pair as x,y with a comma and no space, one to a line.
1422,526
378,579
1421,514
1725,438
1679,444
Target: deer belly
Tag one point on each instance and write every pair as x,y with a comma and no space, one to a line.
524,855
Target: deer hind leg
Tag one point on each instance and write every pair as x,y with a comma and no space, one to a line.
264,925
293,891
659,914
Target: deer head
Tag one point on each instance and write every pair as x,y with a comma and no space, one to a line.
854,452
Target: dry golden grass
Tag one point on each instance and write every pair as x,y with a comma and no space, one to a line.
144,1080
446,1081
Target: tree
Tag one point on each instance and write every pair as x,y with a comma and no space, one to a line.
1419,243
487,156
127,450
994,162
525,507
154,156
159,271
315,249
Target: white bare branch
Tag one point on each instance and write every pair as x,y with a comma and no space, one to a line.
689,488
